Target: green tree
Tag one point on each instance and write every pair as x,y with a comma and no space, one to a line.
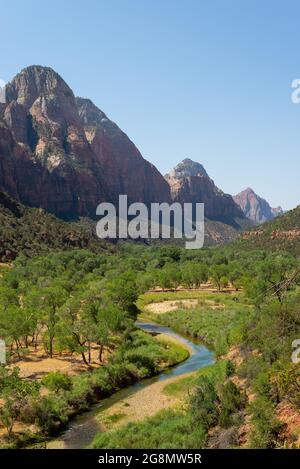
15,393
51,300
57,380
216,272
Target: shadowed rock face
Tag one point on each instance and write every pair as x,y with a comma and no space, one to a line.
63,154
256,208
189,182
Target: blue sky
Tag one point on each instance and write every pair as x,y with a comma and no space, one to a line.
209,80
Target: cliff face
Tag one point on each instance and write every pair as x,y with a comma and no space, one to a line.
189,182
125,170
255,207
65,155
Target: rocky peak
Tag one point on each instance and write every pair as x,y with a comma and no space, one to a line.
34,82
189,182
255,207
187,168
63,154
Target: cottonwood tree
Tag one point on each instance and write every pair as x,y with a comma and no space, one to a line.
216,273
89,321
193,274
49,300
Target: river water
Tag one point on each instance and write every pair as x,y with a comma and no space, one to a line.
82,430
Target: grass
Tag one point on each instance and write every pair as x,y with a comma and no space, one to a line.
175,351
181,387
168,429
156,297
184,386
111,419
205,323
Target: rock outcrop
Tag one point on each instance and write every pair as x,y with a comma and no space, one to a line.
255,207
189,182
63,154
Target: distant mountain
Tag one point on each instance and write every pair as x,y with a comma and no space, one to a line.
63,154
33,231
189,182
255,207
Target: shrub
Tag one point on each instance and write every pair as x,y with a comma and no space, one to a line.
265,425
51,413
229,368
56,381
203,403
231,401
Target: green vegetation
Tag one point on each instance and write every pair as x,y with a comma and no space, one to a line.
260,322
78,304
66,304
140,356
168,429
32,231
207,323
56,380
281,234
176,429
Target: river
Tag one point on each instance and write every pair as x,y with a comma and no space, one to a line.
82,429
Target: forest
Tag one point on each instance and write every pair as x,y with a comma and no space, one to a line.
77,309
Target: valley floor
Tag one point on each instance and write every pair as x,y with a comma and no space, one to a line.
144,403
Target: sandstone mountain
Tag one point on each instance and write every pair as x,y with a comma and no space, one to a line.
63,154
255,207
189,182
124,168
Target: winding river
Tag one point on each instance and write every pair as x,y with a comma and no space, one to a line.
83,428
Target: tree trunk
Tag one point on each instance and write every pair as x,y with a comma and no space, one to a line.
18,353
90,358
100,353
51,346
84,359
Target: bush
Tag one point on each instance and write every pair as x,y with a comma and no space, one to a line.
231,401
55,381
252,367
230,368
81,395
51,413
203,403
265,425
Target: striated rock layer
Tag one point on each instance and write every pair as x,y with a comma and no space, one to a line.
63,154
